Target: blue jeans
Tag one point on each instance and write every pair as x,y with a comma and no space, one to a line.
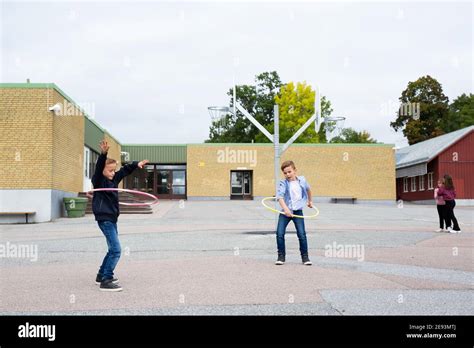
283,221
109,229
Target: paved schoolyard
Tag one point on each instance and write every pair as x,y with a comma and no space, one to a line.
204,257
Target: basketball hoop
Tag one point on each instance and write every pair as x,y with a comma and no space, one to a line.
333,126
218,115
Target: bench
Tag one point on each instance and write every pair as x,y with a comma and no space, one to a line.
26,213
336,199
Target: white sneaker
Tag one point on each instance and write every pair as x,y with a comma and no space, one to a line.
439,230
459,231
450,230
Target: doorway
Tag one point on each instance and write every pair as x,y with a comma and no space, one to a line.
241,184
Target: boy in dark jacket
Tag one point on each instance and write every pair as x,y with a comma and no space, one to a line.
105,206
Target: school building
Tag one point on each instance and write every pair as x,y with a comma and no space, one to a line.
49,146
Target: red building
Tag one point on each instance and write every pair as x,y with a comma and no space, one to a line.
419,167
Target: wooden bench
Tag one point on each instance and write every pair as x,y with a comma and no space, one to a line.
26,213
336,199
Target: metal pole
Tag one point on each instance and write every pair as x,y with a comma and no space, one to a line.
234,95
276,145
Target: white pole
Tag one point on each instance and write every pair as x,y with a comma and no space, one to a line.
235,95
276,145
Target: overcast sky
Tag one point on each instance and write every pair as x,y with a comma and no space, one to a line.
150,69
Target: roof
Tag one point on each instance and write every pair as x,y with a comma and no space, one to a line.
425,151
163,153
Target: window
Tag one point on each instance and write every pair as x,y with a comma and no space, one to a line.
422,183
413,184
405,184
430,181
87,153
93,156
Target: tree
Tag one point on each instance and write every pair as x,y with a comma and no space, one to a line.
296,106
461,113
425,95
350,135
326,111
258,100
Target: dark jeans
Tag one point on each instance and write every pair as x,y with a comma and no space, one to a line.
442,216
109,229
451,220
283,221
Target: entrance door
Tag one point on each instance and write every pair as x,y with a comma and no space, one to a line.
241,184
166,181
163,184
170,183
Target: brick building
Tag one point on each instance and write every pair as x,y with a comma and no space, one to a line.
51,155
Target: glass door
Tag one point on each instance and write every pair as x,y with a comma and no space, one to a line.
178,184
163,183
149,184
241,184
236,183
166,181
171,181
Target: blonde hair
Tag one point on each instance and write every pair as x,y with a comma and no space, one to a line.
110,161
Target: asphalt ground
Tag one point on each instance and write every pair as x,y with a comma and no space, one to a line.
217,258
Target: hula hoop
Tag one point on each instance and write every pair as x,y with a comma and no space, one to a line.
130,191
296,216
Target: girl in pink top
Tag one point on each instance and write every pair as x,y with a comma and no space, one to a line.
441,207
449,194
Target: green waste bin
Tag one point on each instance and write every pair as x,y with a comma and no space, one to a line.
75,206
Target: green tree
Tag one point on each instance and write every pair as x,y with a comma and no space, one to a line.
426,123
350,135
296,106
258,100
326,111
461,113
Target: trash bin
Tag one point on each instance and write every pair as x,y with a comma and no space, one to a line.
75,206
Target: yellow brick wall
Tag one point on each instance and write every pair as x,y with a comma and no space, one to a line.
26,138
68,145
365,172
41,150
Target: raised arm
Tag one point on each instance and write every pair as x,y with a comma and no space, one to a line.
100,164
128,169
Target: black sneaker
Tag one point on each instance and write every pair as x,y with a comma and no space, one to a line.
98,280
109,285
281,260
305,260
